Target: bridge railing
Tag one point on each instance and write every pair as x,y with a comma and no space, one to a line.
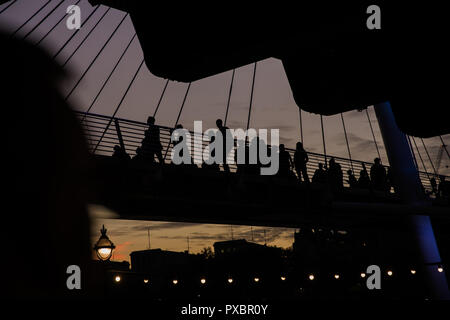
103,133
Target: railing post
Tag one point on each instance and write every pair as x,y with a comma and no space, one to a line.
119,134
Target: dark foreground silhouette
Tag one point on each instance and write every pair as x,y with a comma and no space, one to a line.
46,226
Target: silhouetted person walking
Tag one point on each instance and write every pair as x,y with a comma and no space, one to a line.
213,166
151,145
242,167
139,155
179,140
300,160
285,162
444,187
320,175
378,175
352,179
364,180
226,137
120,153
335,177
390,181
434,186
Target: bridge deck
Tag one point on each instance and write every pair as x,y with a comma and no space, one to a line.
140,191
146,191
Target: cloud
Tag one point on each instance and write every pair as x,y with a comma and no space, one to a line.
163,226
121,251
361,145
239,232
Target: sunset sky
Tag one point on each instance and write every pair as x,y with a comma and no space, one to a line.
273,107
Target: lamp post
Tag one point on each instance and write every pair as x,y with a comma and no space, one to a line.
104,247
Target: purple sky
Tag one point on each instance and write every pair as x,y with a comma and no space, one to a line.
273,106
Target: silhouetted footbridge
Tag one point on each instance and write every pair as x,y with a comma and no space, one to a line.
150,191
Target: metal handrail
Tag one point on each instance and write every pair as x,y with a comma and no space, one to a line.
133,132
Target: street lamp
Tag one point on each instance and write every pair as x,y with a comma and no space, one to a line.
104,247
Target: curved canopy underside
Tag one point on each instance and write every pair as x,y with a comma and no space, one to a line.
333,62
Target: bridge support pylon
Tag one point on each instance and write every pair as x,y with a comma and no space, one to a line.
410,189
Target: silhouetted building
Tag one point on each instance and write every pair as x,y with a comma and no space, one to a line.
123,266
247,258
158,260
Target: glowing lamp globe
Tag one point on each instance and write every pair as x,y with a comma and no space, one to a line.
104,247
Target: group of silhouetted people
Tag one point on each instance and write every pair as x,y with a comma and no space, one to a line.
331,175
150,146
378,179
298,164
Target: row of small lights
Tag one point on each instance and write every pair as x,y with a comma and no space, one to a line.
118,278
311,277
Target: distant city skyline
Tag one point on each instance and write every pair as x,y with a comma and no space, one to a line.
132,235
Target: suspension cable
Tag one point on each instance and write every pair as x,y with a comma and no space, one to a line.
85,38
346,140
7,6
229,97
75,33
182,105
120,104
323,140
43,19
445,146
29,19
373,134
160,98
429,158
179,114
301,124
251,96
96,57
54,26
412,151
109,77
420,157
